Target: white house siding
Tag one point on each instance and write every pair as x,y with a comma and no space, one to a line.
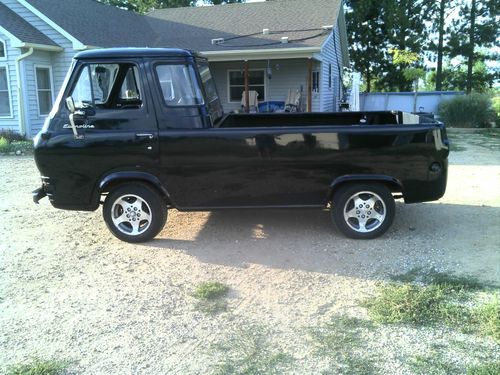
286,75
11,122
60,61
331,53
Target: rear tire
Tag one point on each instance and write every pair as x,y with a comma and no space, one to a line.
363,211
134,212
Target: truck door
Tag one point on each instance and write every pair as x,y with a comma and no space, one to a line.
116,131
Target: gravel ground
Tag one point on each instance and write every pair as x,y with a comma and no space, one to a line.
70,290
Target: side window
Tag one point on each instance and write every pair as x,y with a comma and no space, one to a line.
82,92
108,86
178,85
130,88
103,78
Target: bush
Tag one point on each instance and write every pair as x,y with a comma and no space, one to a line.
11,135
468,111
4,145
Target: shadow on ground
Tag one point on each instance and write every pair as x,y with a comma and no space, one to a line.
460,237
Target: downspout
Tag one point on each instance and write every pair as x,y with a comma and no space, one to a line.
20,99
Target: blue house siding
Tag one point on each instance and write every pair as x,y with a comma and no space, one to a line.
331,92
34,120
59,61
11,122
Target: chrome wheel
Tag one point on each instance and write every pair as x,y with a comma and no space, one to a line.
364,211
131,214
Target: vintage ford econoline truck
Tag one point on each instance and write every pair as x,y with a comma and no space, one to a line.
142,131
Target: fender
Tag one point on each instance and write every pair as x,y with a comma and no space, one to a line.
394,183
131,176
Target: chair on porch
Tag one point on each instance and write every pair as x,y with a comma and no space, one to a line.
253,101
292,103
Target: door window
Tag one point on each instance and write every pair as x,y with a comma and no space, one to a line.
108,86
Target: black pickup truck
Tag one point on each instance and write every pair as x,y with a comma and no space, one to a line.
142,131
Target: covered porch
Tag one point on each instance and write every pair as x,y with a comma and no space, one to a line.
272,78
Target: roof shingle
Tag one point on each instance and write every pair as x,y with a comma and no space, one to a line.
241,25
22,29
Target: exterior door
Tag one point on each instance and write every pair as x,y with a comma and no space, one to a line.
117,129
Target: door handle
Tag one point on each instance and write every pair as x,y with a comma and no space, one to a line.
145,135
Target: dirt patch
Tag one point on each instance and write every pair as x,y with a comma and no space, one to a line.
70,290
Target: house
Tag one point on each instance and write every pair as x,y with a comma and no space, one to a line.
276,46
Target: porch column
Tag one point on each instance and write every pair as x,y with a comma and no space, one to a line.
247,98
309,85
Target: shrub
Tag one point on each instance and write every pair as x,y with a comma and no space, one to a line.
4,145
468,111
11,136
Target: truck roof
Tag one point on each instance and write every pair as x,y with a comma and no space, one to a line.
135,52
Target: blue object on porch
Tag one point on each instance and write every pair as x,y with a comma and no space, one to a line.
272,106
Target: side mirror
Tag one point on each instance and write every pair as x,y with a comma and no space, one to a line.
70,104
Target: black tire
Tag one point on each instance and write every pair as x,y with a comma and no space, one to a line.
135,212
367,222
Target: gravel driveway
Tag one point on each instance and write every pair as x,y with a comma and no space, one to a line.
70,290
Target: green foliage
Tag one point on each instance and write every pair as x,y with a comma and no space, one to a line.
407,303
433,364
455,77
367,38
340,342
11,135
403,57
485,369
439,302
15,146
4,145
248,351
209,295
488,318
210,290
456,282
39,367
467,111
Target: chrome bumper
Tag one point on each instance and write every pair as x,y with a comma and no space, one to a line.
38,194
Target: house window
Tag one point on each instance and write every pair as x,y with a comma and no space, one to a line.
44,89
256,82
329,76
3,52
315,81
5,110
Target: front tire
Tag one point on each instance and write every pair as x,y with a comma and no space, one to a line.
134,212
363,211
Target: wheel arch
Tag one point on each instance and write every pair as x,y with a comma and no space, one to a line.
394,185
110,181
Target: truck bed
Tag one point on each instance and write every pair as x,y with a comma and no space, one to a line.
316,119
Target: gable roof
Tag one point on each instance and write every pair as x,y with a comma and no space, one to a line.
89,23
96,24
241,25
21,29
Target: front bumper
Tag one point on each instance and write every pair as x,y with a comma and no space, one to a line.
38,194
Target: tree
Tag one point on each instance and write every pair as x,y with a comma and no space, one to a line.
405,21
473,32
367,38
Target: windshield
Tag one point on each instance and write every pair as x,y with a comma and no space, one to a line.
207,81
